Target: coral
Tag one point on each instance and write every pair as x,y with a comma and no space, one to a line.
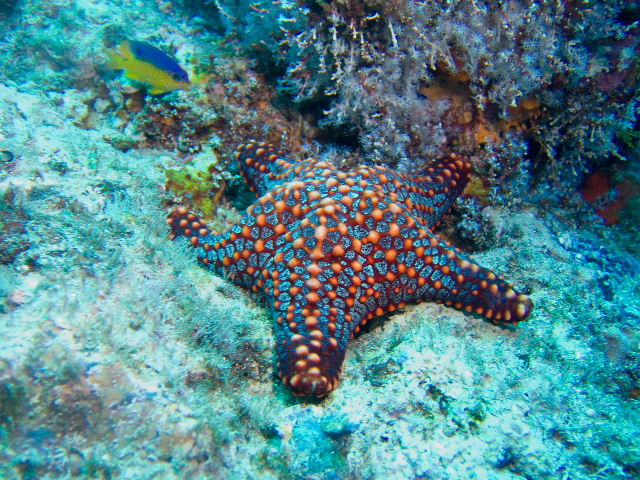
413,79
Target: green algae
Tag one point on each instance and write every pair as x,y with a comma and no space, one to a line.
200,184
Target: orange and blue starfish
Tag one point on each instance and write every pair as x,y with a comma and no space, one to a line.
330,250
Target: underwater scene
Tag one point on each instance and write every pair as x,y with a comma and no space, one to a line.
320,239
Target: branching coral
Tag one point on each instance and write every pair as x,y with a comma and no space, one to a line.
372,65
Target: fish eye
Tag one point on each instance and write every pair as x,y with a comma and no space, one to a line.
177,77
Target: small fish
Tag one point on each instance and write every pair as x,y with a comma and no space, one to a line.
147,64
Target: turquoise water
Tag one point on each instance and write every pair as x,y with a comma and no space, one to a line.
121,357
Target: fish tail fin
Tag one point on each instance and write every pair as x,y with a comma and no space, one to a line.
120,56
115,60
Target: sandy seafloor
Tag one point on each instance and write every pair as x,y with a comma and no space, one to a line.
101,375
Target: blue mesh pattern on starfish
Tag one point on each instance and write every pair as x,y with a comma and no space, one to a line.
330,250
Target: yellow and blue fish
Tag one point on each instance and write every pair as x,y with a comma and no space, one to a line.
147,64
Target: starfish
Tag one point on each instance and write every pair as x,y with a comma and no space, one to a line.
330,250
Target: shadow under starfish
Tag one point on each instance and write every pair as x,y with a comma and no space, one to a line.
330,250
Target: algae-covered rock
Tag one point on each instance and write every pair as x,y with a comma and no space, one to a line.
201,182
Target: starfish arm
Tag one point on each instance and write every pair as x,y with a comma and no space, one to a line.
432,192
454,279
311,349
244,253
264,168
317,282
312,327
401,261
209,248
